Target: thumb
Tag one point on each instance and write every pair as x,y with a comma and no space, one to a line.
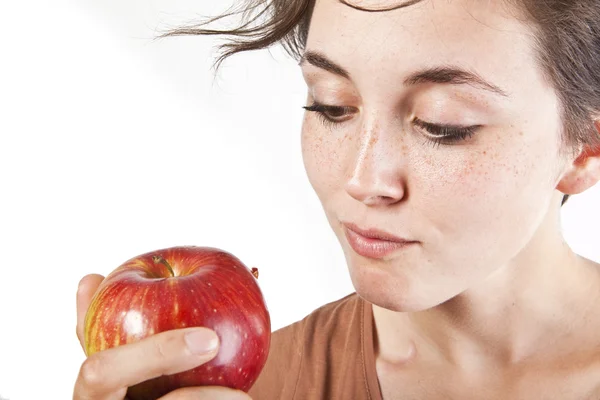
85,292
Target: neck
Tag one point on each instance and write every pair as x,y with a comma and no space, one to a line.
535,303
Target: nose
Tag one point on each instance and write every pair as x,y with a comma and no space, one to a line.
376,171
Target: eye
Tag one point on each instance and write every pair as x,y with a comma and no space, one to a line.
445,134
331,116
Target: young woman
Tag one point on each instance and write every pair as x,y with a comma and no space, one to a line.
441,138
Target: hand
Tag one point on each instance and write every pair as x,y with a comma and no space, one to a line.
106,375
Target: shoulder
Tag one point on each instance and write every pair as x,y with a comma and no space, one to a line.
309,338
325,321
331,320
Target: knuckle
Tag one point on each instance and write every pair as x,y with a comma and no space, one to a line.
161,347
91,374
163,353
167,354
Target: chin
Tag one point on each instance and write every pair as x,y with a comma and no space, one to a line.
395,292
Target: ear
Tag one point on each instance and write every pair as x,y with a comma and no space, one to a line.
583,172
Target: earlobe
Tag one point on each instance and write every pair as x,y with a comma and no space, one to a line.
583,172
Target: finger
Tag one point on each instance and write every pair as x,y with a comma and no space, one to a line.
111,371
86,290
206,393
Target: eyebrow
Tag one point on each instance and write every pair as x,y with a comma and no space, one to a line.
442,74
321,61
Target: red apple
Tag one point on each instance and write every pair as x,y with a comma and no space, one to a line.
184,287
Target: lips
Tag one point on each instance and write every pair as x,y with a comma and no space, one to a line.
375,234
373,243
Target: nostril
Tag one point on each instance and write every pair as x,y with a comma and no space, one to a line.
375,192
374,201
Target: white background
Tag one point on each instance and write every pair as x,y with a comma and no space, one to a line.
113,145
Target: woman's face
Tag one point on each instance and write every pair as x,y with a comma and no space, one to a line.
473,201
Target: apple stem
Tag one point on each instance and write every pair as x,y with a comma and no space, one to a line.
255,272
159,259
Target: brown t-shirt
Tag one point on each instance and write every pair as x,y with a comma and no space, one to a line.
328,355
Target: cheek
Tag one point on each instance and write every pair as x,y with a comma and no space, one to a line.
494,172
322,154
476,198
506,172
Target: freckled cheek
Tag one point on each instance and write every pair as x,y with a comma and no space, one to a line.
486,177
323,155
453,178
473,178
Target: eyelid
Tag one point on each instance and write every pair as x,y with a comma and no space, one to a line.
323,104
447,134
325,108
323,112
436,134
451,127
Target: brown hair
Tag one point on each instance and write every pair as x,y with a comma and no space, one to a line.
567,43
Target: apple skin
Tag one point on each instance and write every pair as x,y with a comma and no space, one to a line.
210,288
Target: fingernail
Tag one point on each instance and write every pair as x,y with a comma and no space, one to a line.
201,341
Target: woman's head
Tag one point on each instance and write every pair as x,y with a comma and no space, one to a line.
511,86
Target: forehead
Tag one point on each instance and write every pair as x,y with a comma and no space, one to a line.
483,35
495,14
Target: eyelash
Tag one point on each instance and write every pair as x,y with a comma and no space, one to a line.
324,113
443,134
